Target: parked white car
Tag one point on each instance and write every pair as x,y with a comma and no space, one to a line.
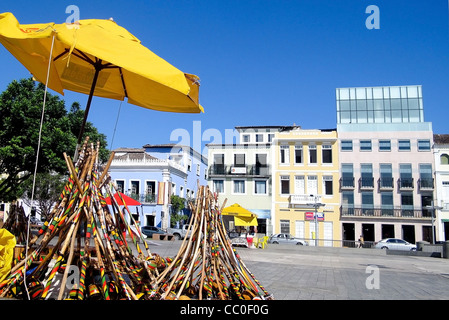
285,238
395,244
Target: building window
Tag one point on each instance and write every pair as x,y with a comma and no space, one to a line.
239,186
312,185
346,145
425,176
246,138
365,145
285,184
367,180
300,185
298,154
327,185
218,186
120,185
384,145
423,145
218,165
407,204
386,199
444,159
327,153
404,145
239,160
386,175
347,198
259,137
312,153
285,155
260,186
405,173
347,175
367,203
285,226
135,190
270,137
261,164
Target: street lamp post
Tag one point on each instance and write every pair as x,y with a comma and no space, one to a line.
432,209
316,205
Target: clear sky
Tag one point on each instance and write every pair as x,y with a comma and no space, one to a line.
262,62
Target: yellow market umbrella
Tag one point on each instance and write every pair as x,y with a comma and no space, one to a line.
242,216
99,58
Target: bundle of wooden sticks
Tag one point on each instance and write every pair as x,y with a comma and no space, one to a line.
207,266
81,252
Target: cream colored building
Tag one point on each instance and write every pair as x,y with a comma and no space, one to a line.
306,172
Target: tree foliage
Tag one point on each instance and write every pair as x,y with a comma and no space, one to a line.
21,110
177,204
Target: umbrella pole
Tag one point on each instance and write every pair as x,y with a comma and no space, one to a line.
89,101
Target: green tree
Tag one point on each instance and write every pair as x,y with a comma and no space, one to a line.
20,110
177,204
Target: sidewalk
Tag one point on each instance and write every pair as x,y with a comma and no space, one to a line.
322,273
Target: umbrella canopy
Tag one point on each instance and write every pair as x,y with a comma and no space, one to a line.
242,216
128,200
99,58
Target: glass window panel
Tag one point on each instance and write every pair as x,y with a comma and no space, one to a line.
396,116
405,116
353,104
395,104
344,94
370,104
394,92
384,145
369,93
361,105
345,117
362,117
387,116
344,106
346,145
404,145
387,199
386,91
414,115
403,92
377,93
419,91
424,145
360,93
378,116
378,104
370,116
412,92
365,145
352,93
413,104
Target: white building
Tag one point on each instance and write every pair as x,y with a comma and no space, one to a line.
441,154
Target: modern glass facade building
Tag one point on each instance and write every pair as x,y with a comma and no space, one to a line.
401,104
386,163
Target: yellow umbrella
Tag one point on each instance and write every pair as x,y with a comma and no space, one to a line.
242,216
99,58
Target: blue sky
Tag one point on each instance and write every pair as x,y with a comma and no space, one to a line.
263,62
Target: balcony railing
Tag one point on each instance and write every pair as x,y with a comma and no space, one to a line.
385,212
143,197
405,183
302,200
366,183
385,183
248,170
425,184
347,183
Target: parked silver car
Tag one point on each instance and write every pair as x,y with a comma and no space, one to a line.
286,238
395,244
